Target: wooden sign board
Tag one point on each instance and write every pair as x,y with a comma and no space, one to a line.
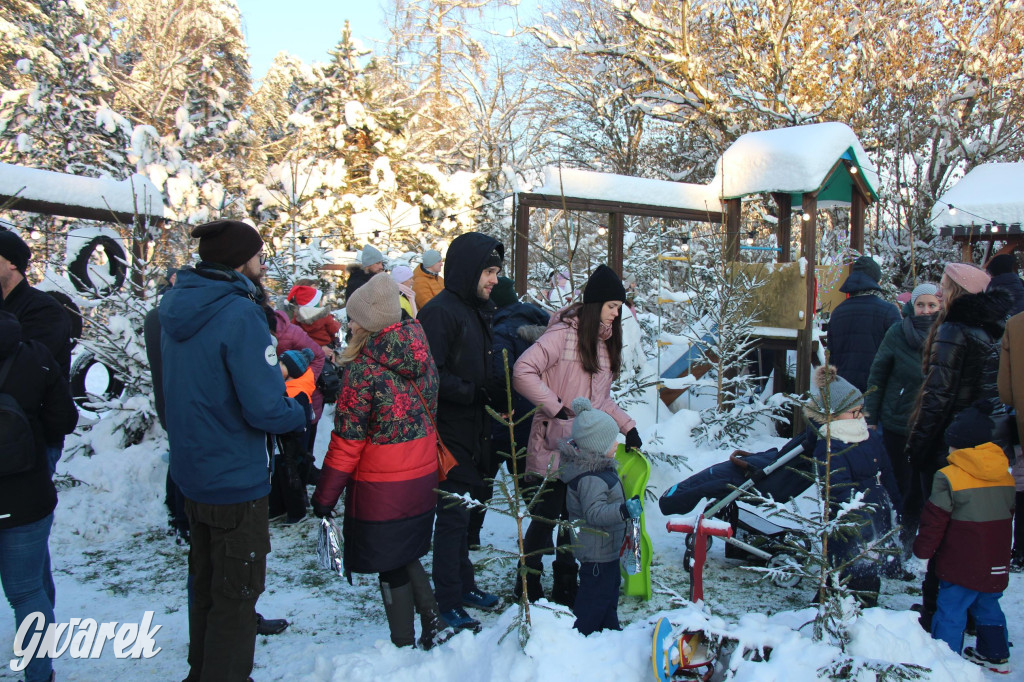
782,291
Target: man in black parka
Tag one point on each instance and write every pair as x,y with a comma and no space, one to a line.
457,323
858,324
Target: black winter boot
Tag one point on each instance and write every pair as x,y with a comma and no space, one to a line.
534,589
564,587
398,605
433,630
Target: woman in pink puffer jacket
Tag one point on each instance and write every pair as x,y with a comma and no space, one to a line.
578,355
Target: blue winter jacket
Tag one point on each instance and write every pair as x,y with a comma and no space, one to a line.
223,389
855,330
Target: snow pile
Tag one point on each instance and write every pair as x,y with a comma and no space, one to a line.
990,193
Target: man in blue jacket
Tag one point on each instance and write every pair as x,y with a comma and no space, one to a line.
858,324
223,394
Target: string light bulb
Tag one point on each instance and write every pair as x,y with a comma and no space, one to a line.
806,216
952,209
853,170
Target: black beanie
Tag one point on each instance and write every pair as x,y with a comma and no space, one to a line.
603,285
15,250
504,292
495,259
1002,264
230,243
869,267
971,427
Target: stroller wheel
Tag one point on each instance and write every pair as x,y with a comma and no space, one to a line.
789,577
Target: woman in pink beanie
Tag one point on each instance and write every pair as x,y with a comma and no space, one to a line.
961,365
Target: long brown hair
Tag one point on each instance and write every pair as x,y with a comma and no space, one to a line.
588,330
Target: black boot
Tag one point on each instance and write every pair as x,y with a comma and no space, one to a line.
398,606
433,630
270,626
534,589
564,587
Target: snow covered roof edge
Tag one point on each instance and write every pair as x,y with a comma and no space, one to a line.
797,159
585,184
989,193
98,194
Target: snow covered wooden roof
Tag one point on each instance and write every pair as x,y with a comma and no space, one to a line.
573,183
52,193
826,158
820,157
989,196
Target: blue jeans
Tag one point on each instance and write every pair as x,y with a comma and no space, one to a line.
53,453
950,619
23,556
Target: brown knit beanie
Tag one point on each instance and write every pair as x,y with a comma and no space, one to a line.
227,242
375,305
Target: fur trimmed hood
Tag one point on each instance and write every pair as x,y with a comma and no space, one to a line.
307,314
987,310
575,461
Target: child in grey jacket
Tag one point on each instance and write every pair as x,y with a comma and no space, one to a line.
595,496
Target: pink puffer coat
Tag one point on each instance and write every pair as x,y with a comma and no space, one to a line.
550,374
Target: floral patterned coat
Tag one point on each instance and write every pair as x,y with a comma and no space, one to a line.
383,450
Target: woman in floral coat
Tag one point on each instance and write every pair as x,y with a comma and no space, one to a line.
383,450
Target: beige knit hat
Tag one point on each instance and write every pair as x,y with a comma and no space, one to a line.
375,305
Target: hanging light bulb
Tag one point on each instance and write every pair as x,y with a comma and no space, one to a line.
806,216
602,231
34,234
853,170
952,209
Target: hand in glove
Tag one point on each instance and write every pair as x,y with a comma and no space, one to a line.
634,507
322,511
633,441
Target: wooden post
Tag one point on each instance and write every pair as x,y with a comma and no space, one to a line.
857,205
784,228
521,246
804,341
733,214
616,231
966,252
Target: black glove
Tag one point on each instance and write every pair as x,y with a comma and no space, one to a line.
322,511
633,441
301,399
564,413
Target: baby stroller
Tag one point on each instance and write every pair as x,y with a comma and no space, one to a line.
781,474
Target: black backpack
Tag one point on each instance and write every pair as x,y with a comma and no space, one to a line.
18,454
329,382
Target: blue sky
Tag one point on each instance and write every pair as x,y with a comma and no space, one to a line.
305,28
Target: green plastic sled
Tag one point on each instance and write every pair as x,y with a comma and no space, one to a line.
635,470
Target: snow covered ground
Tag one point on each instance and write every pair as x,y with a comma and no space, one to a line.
113,561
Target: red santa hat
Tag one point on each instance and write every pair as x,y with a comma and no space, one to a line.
304,295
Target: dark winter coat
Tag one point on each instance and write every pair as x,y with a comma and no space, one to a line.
896,374
856,329
384,450
967,522
357,277
42,319
290,336
222,386
1010,283
854,468
963,367
594,495
40,389
458,327
516,327
151,336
